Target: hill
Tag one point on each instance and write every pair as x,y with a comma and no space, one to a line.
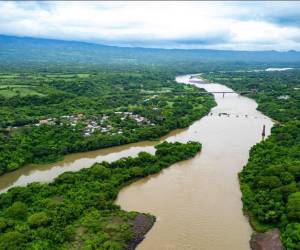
29,51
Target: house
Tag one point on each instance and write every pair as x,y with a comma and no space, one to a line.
42,122
283,97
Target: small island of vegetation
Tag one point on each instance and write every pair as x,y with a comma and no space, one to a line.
77,210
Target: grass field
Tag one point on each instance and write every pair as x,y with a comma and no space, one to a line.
21,90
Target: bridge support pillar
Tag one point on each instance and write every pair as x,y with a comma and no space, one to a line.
263,131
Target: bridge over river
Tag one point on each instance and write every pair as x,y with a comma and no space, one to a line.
218,92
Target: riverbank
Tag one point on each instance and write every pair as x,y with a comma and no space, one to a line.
270,180
262,239
142,223
197,195
198,202
138,114
266,241
77,210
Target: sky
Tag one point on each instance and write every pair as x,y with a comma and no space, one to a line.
211,25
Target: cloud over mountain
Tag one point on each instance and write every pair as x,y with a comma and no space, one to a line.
218,25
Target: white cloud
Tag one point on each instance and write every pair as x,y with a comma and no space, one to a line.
230,25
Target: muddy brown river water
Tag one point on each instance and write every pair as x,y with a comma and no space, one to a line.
197,202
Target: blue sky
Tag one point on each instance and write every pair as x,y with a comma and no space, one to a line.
214,25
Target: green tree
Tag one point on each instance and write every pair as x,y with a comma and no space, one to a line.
38,219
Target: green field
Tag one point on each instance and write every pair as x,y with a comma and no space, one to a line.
18,90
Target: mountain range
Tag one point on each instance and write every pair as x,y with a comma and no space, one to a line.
30,50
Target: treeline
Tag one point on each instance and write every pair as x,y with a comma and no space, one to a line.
270,182
77,210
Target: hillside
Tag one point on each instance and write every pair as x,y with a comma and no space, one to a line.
27,50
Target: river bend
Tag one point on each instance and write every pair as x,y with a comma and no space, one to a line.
197,202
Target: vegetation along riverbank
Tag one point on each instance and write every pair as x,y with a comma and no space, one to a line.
62,113
270,182
77,210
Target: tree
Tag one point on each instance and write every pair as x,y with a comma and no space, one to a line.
100,171
12,240
293,206
17,211
38,219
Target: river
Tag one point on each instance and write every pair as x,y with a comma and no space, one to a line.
197,202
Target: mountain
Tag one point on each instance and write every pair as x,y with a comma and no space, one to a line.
29,50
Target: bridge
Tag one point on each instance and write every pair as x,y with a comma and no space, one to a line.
201,81
221,92
228,92
176,93
217,92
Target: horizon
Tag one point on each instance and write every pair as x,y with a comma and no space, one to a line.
234,26
139,47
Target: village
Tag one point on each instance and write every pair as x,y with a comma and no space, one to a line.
102,123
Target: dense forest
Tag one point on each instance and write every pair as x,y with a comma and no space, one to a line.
270,182
77,210
44,116
59,97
